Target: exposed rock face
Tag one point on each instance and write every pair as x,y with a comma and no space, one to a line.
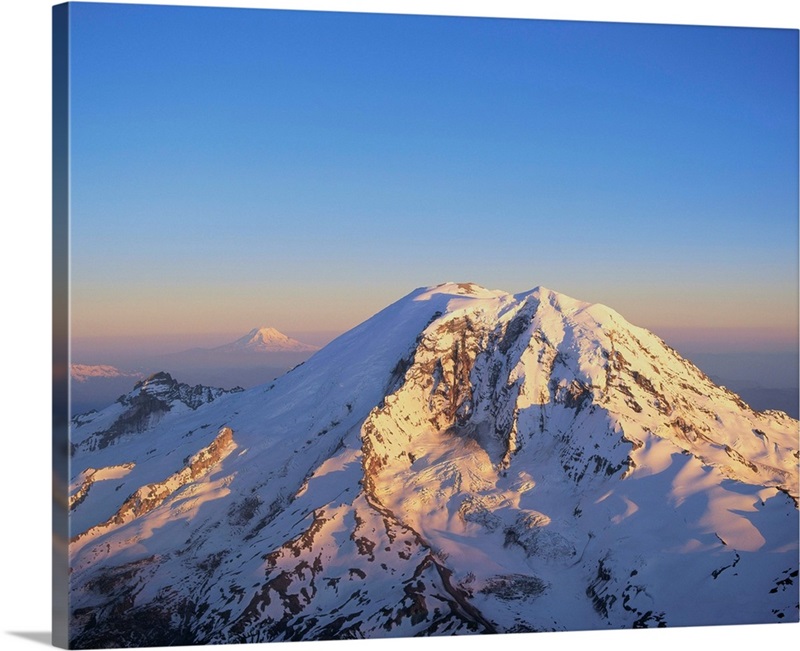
466,461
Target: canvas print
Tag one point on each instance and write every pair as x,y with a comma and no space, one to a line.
389,326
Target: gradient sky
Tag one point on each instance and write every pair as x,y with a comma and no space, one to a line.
235,168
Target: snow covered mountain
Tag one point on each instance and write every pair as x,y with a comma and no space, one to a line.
266,340
465,461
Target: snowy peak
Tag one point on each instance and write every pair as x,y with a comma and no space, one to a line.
267,340
549,349
160,383
465,289
456,290
470,297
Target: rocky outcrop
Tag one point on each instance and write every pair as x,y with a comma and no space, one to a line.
150,400
151,496
90,476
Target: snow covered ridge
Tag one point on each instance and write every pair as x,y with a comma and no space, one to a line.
84,372
465,461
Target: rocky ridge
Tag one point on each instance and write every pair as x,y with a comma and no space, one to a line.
141,409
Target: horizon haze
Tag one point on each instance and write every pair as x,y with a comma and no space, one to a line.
761,368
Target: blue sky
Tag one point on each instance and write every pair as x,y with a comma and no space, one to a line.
234,168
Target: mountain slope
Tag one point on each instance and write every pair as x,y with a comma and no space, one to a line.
465,461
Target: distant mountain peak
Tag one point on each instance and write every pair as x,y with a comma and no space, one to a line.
84,372
266,339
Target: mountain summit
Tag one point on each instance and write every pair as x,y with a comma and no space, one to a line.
266,340
465,461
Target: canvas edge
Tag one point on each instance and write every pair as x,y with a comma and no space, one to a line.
60,320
